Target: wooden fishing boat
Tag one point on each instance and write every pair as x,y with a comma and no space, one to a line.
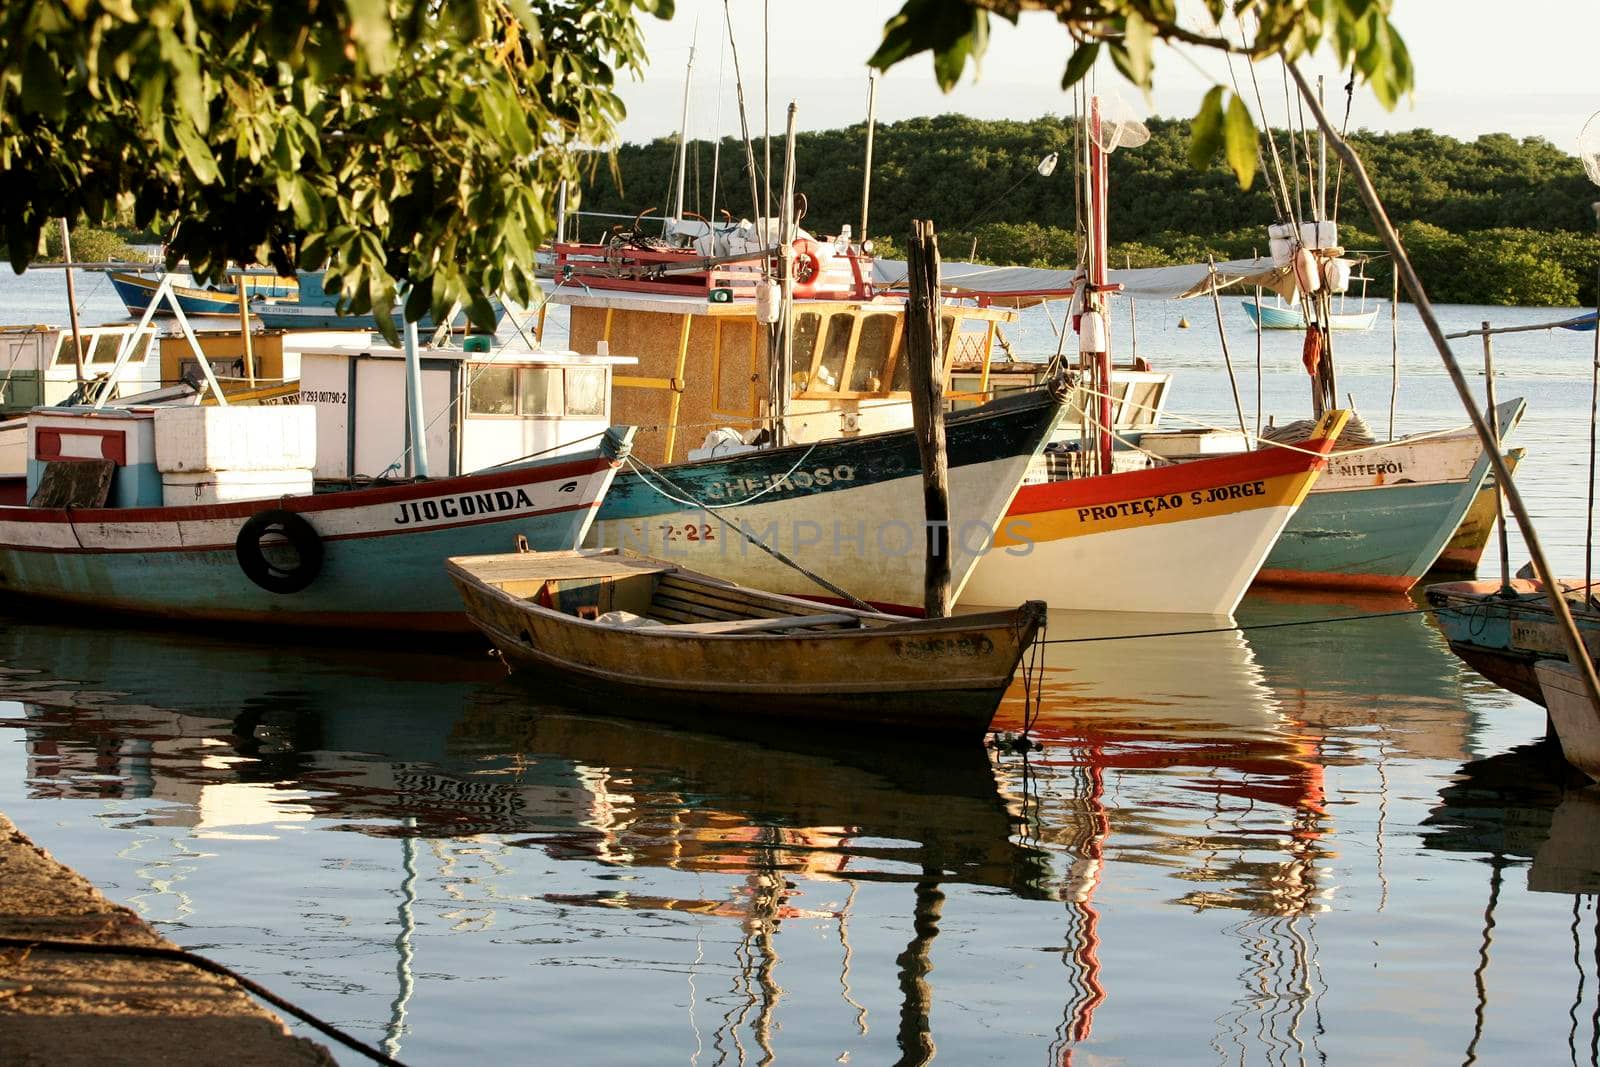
1273,317
1378,518
137,290
664,641
1462,555
848,509
1503,634
1181,538
1572,713
366,557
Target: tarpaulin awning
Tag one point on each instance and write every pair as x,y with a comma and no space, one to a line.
1025,286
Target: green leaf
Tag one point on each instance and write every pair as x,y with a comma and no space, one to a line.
372,33
1241,139
1080,64
43,91
1138,39
195,151
1205,134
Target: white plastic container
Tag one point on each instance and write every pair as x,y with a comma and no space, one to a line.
268,438
768,297
180,489
1092,334
1319,235
1337,275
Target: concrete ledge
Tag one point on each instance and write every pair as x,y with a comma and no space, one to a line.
66,1009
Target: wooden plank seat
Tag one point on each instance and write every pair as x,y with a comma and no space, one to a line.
681,600
824,620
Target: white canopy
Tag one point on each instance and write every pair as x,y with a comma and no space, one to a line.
1026,286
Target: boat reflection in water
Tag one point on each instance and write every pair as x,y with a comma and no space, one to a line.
441,751
576,859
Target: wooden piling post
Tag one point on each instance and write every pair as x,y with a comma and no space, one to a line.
926,353
1499,490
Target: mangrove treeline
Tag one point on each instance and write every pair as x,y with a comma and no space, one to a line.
1492,221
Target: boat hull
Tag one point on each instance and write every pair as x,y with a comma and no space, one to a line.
1186,538
937,676
136,292
849,510
1271,317
383,549
1465,550
1504,638
1377,519
1572,713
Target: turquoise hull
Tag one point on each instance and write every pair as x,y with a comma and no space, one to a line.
1382,538
1380,517
382,549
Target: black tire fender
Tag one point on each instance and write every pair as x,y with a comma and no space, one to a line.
301,536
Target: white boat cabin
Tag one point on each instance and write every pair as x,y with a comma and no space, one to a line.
481,409
39,364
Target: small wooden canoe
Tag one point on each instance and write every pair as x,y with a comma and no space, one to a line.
669,643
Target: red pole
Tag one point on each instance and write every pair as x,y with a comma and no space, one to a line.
1098,277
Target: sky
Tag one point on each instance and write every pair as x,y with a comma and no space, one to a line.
1530,68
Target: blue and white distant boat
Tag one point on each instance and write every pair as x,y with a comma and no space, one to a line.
137,290
1276,317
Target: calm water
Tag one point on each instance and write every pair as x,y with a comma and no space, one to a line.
1316,844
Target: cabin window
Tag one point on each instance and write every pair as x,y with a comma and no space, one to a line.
540,389
493,391
835,350
586,391
807,325
872,354
902,367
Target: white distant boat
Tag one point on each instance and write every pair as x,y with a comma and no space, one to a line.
1275,317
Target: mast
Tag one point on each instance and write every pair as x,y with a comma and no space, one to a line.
866,168
1095,335
683,131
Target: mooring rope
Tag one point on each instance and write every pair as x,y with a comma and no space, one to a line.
1241,629
180,955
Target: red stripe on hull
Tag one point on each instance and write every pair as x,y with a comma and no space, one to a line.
364,536
1164,481
1387,583
348,498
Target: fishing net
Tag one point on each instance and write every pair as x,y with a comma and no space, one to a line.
1119,128
1589,147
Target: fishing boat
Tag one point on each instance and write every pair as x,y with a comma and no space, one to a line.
137,290
1503,632
249,514
1379,516
1274,317
662,639
848,509
1465,550
312,309
1180,538
1572,713
364,558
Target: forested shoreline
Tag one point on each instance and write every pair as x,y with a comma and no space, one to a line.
1495,220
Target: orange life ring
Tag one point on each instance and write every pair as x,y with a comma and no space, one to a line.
806,263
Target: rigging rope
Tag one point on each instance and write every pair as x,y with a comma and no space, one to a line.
1240,629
